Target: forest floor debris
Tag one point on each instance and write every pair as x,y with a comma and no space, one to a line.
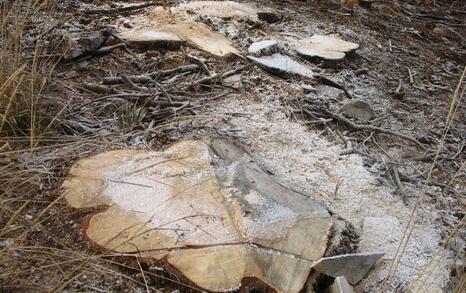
403,168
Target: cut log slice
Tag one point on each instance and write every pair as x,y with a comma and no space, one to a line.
205,209
324,47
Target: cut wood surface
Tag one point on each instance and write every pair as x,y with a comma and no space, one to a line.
324,47
207,209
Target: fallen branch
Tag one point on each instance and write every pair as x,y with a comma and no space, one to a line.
149,77
97,52
353,125
199,62
135,97
100,89
215,77
120,9
401,188
133,85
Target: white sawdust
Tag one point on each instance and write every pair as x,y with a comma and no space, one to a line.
305,161
153,194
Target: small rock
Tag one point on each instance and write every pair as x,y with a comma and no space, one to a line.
341,285
268,15
278,64
265,47
353,266
359,110
153,39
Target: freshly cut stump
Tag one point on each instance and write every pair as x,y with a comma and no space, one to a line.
207,210
200,36
222,9
325,47
173,36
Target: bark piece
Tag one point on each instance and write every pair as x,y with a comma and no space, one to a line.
208,210
353,266
325,47
282,65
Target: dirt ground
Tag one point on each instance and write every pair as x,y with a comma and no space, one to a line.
400,198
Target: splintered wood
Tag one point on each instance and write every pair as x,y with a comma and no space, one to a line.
205,209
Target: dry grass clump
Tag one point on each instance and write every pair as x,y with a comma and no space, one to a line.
21,79
40,239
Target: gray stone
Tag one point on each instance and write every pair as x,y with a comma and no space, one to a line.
341,285
265,47
359,110
353,266
282,65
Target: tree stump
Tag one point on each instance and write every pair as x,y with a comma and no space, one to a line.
206,209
